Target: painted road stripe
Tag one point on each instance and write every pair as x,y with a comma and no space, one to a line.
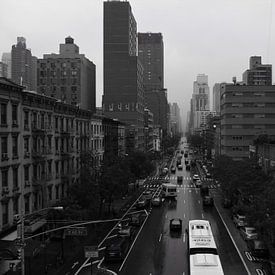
183,238
160,237
133,244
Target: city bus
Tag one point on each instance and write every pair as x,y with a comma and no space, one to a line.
202,250
169,190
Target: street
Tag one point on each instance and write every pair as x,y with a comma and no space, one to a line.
157,252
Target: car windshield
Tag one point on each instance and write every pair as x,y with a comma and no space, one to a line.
251,231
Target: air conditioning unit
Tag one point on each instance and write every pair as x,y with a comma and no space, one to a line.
27,183
5,189
4,155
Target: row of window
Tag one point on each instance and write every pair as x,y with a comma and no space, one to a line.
248,94
248,116
248,126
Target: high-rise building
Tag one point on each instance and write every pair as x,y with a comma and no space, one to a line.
175,120
200,103
22,65
258,73
68,76
6,58
150,53
123,96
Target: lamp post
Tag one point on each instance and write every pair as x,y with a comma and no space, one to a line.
21,232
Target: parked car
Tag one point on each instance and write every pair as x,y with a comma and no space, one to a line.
258,249
156,201
187,167
125,230
142,202
117,249
175,224
249,233
198,183
207,201
226,203
239,220
147,194
180,167
179,179
136,219
208,175
173,169
196,177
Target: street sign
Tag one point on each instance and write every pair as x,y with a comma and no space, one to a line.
91,251
76,231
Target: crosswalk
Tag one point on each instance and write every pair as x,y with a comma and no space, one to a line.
175,178
179,186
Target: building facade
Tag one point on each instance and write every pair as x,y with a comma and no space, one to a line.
246,112
217,97
41,142
68,76
114,138
3,69
123,97
258,73
150,53
23,71
175,119
148,130
200,103
6,58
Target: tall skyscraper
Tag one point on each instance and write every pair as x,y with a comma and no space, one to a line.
200,102
217,97
3,69
68,76
258,73
6,58
150,52
123,96
22,63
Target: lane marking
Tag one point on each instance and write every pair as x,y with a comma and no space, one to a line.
199,201
202,215
125,259
240,255
183,201
183,238
184,215
160,236
74,265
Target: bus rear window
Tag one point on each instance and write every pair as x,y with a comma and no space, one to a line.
203,250
172,190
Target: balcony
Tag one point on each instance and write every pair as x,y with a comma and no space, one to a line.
65,132
64,153
27,154
5,190
4,157
38,154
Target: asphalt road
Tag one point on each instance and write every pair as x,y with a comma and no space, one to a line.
157,252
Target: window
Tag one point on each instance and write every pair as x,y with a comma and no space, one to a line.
26,172
4,177
50,142
3,114
27,204
56,144
259,115
14,114
50,193
74,73
15,176
259,105
5,213
111,107
15,205
237,105
26,120
26,145
127,106
57,192
50,167
14,147
237,137
56,123
4,148
237,126
238,94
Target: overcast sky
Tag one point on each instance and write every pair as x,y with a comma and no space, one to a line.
215,37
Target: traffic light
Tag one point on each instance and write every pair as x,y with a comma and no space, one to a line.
19,250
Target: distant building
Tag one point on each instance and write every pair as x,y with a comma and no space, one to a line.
3,70
199,103
175,119
157,137
150,53
6,58
23,71
258,73
123,96
68,76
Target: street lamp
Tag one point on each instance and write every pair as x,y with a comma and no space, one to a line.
21,231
